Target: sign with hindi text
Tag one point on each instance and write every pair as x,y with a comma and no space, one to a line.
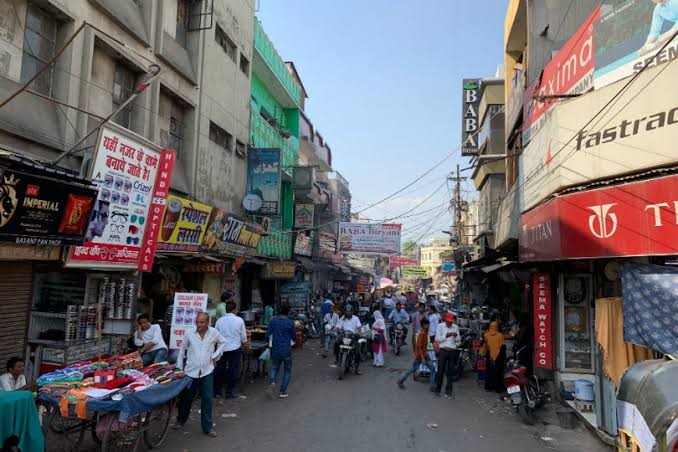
186,308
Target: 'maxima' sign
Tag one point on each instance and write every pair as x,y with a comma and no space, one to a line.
470,104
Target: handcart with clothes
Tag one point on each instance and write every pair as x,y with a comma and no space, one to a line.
116,399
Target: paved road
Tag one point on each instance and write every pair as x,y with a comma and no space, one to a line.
369,413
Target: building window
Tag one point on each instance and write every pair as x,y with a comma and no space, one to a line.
39,43
226,43
240,148
123,88
182,22
220,137
176,135
244,65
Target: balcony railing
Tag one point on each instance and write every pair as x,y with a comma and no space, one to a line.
264,46
265,135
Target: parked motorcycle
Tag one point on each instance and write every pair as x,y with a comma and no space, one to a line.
309,329
466,355
525,392
347,351
398,337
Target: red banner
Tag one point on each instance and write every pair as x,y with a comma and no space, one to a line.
157,210
543,356
633,219
395,261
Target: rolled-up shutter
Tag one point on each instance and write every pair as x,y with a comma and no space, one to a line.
16,286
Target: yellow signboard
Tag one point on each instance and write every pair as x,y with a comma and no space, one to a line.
411,271
184,225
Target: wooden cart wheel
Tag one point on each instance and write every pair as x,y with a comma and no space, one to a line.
121,436
156,424
70,431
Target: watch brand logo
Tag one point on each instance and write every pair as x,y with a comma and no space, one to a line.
598,221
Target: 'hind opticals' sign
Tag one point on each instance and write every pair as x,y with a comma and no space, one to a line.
470,103
542,321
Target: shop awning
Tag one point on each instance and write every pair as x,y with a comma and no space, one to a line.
494,267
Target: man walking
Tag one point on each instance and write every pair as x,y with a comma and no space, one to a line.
200,349
232,329
281,336
324,310
420,356
448,339
417,317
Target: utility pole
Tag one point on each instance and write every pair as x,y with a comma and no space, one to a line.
457,205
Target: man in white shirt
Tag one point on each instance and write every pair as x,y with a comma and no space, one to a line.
348,322
448,339
331,319
232,329
13,379
200,350
149,338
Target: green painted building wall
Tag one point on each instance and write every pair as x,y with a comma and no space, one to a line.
263,134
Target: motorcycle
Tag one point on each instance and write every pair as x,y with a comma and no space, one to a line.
309,329
466,355
398,337
525,392
347,351
363,343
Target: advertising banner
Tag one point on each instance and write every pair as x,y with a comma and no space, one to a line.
186,308
303,243
543,342
303,215
470,104
632,219
375,239
295,293
569,72
397,261
629,35
263,178
228,234
37,210
125,171
157,210
184,225
414,272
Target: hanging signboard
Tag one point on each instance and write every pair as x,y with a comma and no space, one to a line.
397,261
303,243
186,308
39,210
124,168
414,272
303,215
279,270
470,105
629,36
542,321
263,178
448,267
371,239
295,293
228,234
184,225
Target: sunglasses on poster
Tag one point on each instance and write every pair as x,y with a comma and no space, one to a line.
119,217
133,240
114,238
134,230
117,227
138,218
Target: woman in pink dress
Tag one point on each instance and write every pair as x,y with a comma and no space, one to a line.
378,339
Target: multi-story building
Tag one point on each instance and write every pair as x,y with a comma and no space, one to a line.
275,122
433,254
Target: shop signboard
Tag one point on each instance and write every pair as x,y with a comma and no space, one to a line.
279,270
570,71
303,243
186,308
414,272
303,215
543,338
230,235
369,239
448,267
263,178
124,168
295,293
40,210
629,35
470,104
397,261
632,219
633,134
184,225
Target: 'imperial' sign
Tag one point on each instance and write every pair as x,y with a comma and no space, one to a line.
470,104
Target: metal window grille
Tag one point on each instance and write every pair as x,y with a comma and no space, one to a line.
220,137
226,43
39,45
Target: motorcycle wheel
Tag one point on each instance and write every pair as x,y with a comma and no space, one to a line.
396,349
526,414
342,366
458,371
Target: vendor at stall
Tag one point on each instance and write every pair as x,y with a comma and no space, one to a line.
13,379
149,338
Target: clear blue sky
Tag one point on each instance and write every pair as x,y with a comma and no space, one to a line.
384,85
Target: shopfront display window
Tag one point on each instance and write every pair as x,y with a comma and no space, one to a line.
576,322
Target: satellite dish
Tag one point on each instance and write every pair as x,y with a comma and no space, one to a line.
252,202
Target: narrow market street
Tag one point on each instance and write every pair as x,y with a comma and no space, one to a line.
369,413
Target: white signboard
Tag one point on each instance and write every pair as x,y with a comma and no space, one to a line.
370,239
187,306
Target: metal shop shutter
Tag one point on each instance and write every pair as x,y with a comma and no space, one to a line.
16,287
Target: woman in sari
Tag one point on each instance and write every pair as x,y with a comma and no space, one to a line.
378,339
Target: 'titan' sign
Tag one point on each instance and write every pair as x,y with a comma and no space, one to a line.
470,104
